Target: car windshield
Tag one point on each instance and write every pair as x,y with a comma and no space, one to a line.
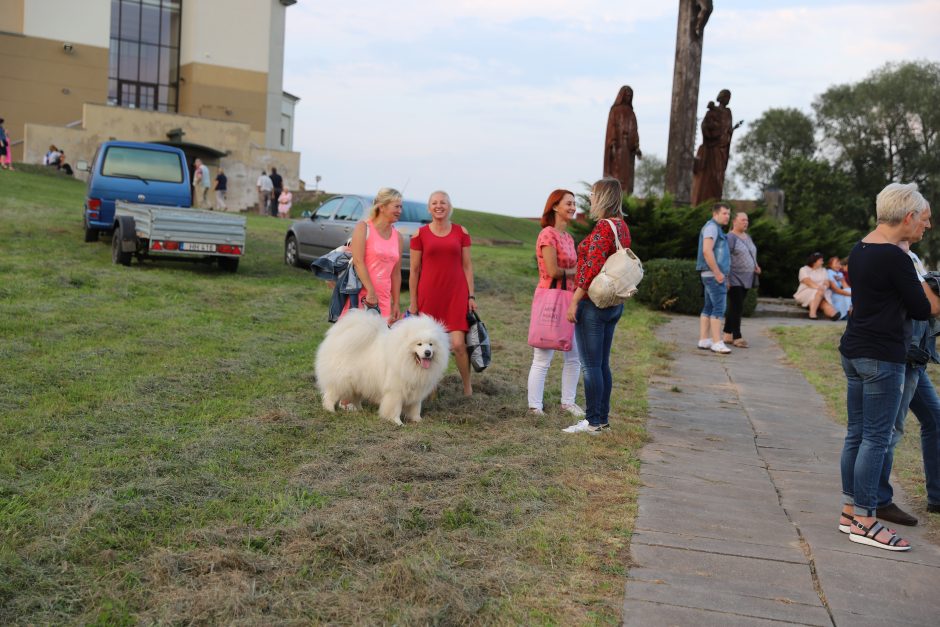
140,163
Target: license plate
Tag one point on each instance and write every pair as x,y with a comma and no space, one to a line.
197,248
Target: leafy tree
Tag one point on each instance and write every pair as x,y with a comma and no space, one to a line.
771,139
650,178
814,188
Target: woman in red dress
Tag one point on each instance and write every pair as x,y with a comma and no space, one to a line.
441,281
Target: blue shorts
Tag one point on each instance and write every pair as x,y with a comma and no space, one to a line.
716,296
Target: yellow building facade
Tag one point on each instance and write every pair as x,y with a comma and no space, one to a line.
206,75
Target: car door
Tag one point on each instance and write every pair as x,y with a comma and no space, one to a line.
312,234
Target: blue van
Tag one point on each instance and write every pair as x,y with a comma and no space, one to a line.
134,172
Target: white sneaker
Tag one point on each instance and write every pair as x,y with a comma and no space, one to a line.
704,344
573,409
535,411
720,348
584,427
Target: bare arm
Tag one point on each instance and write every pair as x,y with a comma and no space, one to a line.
572,314
468,272
413,278
550,258
358,247
396,282
933,298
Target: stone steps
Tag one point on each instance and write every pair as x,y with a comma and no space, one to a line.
779,308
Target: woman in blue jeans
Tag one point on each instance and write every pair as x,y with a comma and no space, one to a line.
594,326
886,291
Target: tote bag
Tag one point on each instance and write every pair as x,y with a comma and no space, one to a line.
618,279
478,343
548,324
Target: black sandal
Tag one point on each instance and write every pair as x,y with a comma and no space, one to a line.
846,528
868,535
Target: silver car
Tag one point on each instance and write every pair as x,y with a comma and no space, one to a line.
332,224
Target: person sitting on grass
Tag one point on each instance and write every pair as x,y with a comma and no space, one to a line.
813,291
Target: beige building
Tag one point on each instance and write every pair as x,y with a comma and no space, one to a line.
206,75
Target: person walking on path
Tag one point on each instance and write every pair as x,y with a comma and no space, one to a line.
920,397
743,276
594,326
714,264
376,254
885,292
221,187
441,279
264,186
277,186
557,260
201,184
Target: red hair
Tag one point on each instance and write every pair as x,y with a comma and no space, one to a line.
548,215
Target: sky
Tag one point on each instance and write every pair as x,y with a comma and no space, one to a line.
499,102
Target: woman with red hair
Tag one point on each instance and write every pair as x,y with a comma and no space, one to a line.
558,260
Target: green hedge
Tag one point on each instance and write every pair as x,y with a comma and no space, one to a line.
675,285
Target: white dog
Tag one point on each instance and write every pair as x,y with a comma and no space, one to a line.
362,359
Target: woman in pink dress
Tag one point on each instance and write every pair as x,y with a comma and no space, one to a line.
284,202
376,254
441,281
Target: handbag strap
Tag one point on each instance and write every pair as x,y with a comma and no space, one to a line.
564,283
613,227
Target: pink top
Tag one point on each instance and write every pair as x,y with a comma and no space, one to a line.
381,257
567,257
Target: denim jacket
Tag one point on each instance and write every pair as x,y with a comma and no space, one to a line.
720,249
924,336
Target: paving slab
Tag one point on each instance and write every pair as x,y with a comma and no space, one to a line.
739,500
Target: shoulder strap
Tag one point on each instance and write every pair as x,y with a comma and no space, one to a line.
613,227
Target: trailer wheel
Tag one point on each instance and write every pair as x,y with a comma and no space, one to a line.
118,256
229,264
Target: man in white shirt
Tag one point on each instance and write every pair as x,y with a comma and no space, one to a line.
265,187
200,184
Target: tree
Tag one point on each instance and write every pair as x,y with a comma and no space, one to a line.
650,177
886,128
771,139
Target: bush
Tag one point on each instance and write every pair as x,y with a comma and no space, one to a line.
675,285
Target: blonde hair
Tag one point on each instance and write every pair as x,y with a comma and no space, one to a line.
445,195
896,201
382,198
606,199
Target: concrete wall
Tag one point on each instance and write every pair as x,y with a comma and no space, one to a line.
222,93
242,163
11,16
85,22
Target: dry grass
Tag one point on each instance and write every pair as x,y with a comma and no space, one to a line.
815,351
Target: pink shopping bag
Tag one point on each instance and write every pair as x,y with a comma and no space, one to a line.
548,326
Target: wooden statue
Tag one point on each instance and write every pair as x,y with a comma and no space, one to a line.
622,145
711,160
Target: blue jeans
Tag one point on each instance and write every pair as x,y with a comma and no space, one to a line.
594,332
920,395
872,399
716,294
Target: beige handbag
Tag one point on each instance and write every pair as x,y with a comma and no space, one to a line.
618,279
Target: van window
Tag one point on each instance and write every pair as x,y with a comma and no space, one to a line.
152,165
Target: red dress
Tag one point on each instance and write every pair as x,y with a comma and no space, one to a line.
442,286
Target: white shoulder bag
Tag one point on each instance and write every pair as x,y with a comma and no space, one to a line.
618,279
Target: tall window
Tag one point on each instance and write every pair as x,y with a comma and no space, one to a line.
145,54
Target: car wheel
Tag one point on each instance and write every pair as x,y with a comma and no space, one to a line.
118,256
91,235
229,264
291,254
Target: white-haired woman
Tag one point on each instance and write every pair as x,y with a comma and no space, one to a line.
441,280
376,255
594,326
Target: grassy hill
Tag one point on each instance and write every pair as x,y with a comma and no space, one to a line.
165,457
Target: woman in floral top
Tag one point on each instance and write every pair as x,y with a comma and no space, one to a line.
594,326
557,259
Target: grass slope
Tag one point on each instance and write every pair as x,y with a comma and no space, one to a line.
165,459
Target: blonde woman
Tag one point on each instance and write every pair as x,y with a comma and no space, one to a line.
376,255
441,281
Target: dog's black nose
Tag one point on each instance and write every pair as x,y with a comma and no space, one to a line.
427,352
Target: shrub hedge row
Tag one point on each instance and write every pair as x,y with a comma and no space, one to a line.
675,285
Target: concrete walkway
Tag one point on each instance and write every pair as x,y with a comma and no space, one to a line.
738,512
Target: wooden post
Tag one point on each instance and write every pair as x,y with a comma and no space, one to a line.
685,85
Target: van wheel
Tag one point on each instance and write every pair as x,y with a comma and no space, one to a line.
229,264
91,235
118,256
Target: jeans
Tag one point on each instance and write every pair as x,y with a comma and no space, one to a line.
715,296
736,295
920,395
595,334
570,373
872,399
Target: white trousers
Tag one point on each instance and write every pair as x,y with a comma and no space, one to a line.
570,373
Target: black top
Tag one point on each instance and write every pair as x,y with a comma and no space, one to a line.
221,182
277,181
886,293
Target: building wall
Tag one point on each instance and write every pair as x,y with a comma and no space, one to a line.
11,16
229,33
85,22
223,93
242,163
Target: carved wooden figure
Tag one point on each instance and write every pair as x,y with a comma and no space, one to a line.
622,146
